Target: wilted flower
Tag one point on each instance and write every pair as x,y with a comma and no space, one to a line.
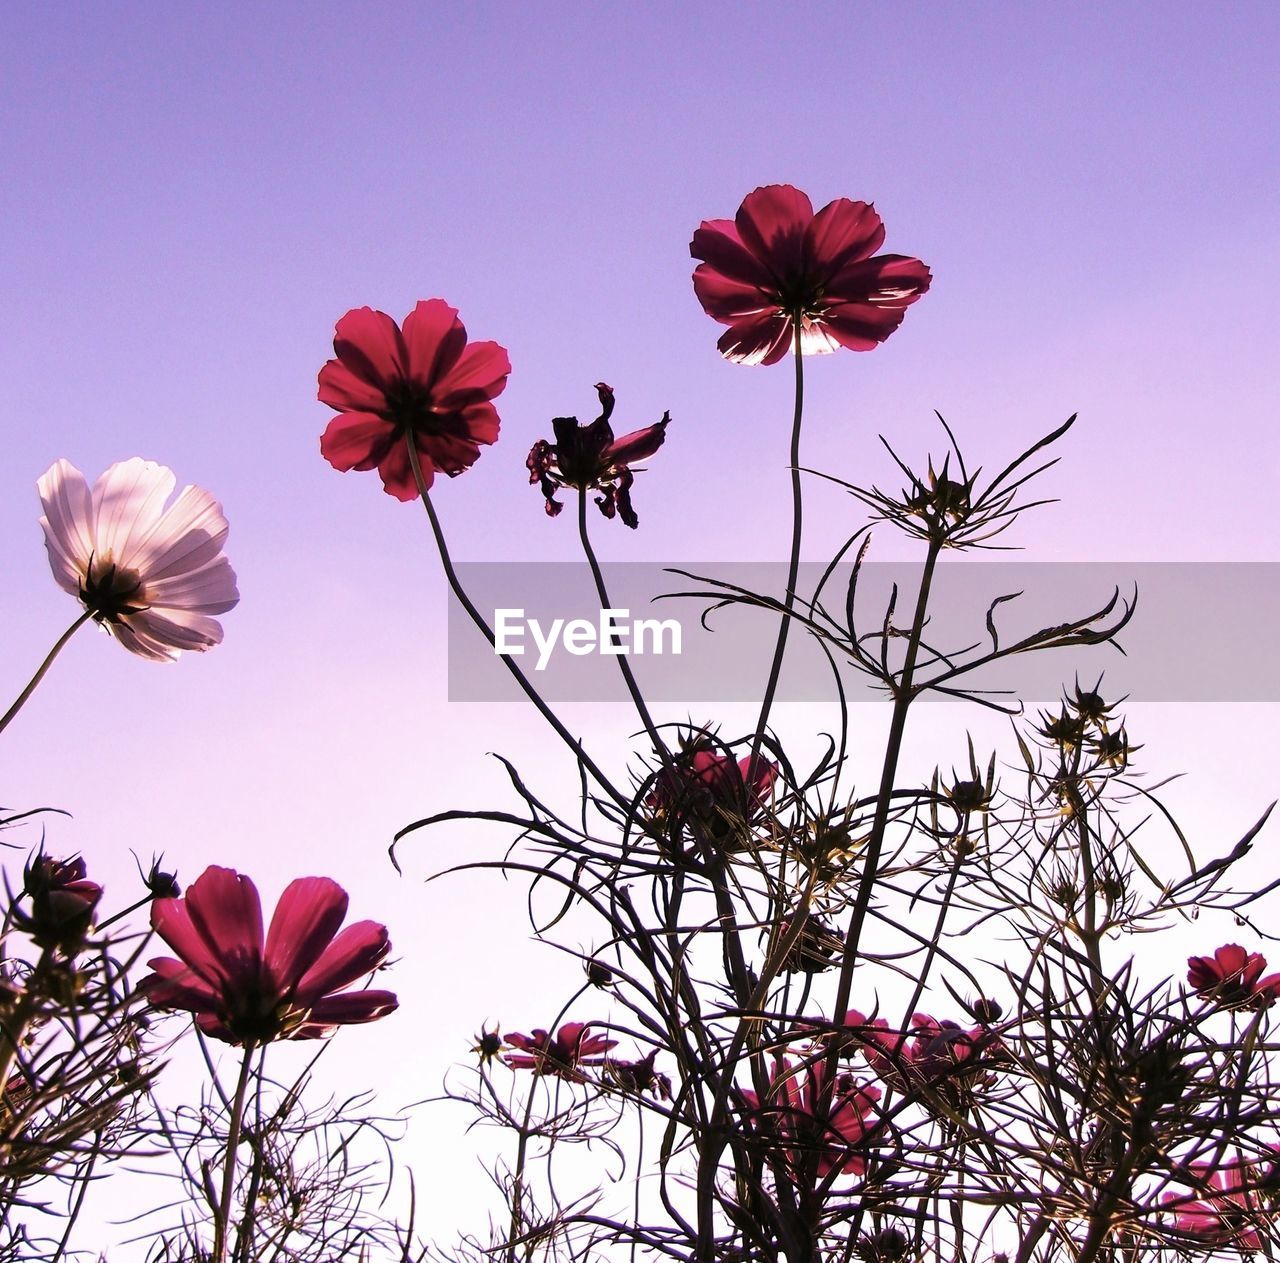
589,458
561,1055
152,576
777,263
837,1135
1234,1214
1233,977
63,902
244,993
422,384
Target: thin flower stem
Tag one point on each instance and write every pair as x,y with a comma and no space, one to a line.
479,620
793,569
223,1221
642,708
44,667
904,694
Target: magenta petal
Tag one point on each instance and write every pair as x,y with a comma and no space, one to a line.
342,390
174,985
169,919
357,951
859,327
397,473
721,250
772,222
434,338
762,339
226,912
368,342
889,280
725,299
356,440
351,1007
480,374
638,445
843,231
309,914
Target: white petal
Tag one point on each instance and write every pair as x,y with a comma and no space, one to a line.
209,590
128,502
67,523
177,629
136,640
189,535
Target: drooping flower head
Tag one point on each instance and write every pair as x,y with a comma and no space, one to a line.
777,264
244,992
1236,1211
710,781
561,1054
1233,977
421,384
153,576
836,1134
589,458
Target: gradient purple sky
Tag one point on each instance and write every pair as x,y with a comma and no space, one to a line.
192,195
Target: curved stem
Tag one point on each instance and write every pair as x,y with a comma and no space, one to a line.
44,667
602,592
229,1160
478,619
793,569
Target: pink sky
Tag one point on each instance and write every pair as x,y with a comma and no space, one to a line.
193,195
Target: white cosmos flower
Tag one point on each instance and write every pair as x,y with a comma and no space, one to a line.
152,576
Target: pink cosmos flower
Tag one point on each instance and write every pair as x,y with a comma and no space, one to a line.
931,1054
1233,977
245,993
561,1056
777,263
590,458
706,780
422,383
1235,1211
152,576
792,1111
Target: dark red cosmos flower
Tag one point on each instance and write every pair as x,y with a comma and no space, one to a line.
562,1055
777,263
243,992
1235,1211
63,902
935,1054
793,1111
707,780
1233,977
422,383
589,458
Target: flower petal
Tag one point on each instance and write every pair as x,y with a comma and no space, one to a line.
480,374
726,300
841,232
67,523
309,914
397,473
762,339
350,1007
772,222
369,344
355,952
434,338
357,440
128,503
226,912
721,249
342,390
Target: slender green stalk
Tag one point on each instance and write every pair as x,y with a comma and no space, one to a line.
479,620
223,1220
44,667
